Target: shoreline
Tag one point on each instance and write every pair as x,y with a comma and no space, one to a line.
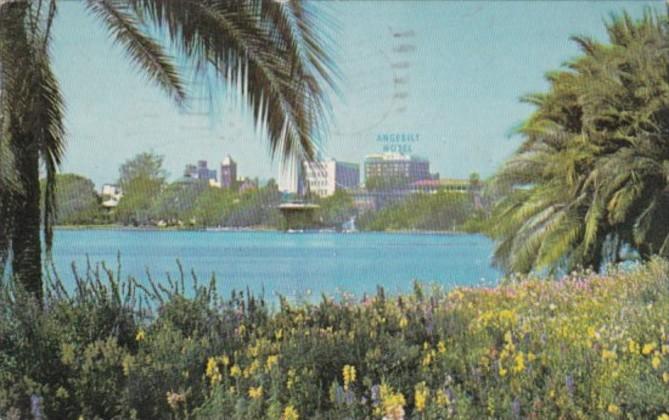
257,229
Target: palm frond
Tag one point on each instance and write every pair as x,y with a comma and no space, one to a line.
144,51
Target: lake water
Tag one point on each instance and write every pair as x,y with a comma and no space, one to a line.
290,264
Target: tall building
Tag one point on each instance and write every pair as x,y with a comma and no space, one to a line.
396,169
228,172
200,171
323,178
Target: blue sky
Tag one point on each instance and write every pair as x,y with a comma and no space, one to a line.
459,91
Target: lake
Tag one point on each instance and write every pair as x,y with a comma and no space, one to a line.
290,264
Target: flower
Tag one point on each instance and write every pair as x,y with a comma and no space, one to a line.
633,346
665,377
613,409
608,354
442,398
519,365
441,347
212,371
404,322
349,375
648,348
140,335
420,397
664,416
290,413
255,392
392,403
656,362
174,399
271,362
235,371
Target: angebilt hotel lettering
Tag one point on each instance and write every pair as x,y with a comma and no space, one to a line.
397,142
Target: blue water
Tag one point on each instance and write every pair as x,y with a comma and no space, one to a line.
291,264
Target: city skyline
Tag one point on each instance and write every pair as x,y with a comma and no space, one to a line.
447,90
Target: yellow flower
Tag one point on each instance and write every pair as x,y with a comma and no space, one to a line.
613,409
665,377
349,375
271,362
404,322
502,372
255,392
608,355
290,413
656,362
519,365
235,371
225,360
212,371
140,335
291,378
442,398
664,416
441,347
420,398
212,367
633,346
648,348
392,402
128,361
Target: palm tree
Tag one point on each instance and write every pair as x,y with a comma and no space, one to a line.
591,178
271,49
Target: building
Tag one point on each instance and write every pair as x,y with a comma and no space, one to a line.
324,178
228,173
395,169
200,171
111,195
247,184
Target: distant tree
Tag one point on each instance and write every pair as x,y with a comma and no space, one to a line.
257,207
336,209
378,183
440,211
177,201
214,206
141,179
78,202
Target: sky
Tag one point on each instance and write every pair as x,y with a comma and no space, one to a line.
450,73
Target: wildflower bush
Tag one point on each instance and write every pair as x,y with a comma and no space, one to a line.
586,346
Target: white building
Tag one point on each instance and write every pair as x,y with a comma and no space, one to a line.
111,195
324,177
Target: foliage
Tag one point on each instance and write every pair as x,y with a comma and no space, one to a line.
257,208
178,200
379,183
142,178
336,209
590,180
214,206
439,211
587,346
78,203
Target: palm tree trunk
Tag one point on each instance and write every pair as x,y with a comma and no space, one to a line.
26,241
